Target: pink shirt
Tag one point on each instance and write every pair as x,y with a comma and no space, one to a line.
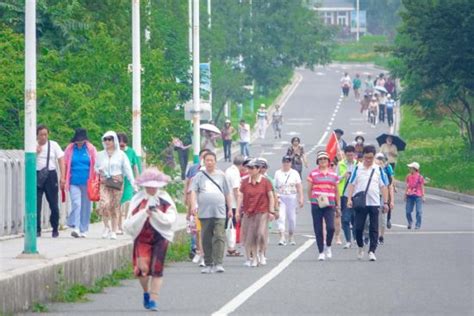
323,184
415,183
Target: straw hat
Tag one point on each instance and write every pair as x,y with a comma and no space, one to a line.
152,178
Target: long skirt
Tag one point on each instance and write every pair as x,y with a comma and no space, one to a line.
109,203
149,247
256,231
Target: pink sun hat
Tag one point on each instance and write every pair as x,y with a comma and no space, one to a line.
152,178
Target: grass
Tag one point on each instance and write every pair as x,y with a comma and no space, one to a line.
39,308
370,48
444,156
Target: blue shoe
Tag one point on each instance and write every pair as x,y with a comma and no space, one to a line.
153,306
146,300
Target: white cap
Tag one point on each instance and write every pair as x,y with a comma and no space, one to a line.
380,156
414,165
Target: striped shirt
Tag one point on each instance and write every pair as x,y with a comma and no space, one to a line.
323,184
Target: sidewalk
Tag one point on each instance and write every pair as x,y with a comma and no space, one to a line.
63,260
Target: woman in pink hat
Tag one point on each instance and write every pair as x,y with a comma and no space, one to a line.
152,215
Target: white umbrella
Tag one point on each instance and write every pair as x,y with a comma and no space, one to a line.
381,89
210,128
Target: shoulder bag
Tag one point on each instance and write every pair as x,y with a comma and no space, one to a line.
359,199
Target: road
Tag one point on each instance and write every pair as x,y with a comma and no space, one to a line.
426,272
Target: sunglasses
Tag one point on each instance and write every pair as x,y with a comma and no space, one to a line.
108,139
251,168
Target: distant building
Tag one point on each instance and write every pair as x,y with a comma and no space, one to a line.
340,13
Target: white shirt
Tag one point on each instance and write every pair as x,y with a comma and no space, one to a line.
346,81
232,175
55,153
286,181
245,133
360,178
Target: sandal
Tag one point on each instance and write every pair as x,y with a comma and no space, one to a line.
233,253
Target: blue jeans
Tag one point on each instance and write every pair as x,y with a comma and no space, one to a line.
348,218
414,201
80,215
227,149
244,149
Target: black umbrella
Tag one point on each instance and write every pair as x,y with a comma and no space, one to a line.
396,140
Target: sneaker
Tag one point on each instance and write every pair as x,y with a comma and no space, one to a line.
105,233
321,257
389,224
153,306
293,242
75,233
146,300
83,235
207,270
55,234
381,240
254,263
360,253
197,258
409,226
417,227
262,260
248,263
328,252
119,232
347,245
113,235
372,256
202,263
282,242
219,268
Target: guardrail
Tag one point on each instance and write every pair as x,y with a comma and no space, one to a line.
12,195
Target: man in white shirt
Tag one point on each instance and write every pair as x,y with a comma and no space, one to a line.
48,186
262,120
244,133
232,175
359,183
290,192
346,84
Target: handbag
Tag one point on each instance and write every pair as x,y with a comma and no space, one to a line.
323,201
113,184
93,188
359,199
231,235
43,174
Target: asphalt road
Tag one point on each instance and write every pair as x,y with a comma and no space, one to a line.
426,272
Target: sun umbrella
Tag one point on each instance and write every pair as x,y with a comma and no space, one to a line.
210,128
381,89
396,140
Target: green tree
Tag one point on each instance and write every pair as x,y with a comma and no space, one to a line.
435,59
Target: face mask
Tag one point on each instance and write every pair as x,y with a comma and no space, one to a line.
359,141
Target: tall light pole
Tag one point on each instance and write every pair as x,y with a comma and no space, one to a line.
190,29
357,17
30,128
136,81
196,83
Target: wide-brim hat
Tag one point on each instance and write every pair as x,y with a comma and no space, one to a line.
380,156
415,165
80,134
152,178
322,154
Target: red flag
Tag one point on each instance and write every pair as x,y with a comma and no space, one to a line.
332,147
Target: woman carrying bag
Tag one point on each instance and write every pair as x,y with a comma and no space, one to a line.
150,222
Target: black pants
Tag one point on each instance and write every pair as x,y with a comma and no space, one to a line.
50,188
390,116
382,112
318,214
183,161
227,151
345,91
360,217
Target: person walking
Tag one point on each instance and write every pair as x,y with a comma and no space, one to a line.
113,166
356,84
325,202
297,154
381,161
344,170
345,84
342,143
290,192
150,222
262,121
359,144
227,132
233,176
382,106
244,134
368,182
277,121
79,159
210,190
136,165
414,194
389,149
369,84
256,200
49,155
390,104
373,108
183,154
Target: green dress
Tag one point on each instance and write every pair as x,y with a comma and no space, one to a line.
127,186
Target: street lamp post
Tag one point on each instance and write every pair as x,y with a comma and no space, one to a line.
196,84
136,81
30,245
357,17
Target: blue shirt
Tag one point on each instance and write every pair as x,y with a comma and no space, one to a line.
80,165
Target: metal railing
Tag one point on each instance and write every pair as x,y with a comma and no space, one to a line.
12,195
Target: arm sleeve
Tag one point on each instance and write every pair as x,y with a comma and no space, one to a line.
194,183
353,177
225,185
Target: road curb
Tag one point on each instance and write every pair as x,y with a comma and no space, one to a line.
466,198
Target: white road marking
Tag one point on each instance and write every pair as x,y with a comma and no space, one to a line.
322,138
293,133
418,232
320,73
232,305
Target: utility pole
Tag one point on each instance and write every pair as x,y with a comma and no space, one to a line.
30,245
210,73
190,29
196,84
136,81
358,19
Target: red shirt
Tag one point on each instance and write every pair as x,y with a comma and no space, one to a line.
415,184
255,196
